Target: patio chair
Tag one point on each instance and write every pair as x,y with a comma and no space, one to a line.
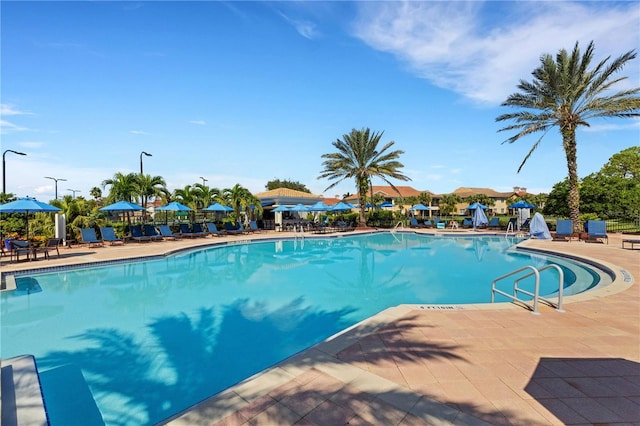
413,223
213,229
428,224
151,232
512,225
597,231
494,223
467,223
18,247
230,229
525,225
109,235
564,230
137,235
186,231
253,226
89,237
52,244
198,230
165,232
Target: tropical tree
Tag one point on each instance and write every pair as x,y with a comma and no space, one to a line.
122,187
448,203
566,94
358,158
240,198
186,196
96,193
286,183
205,196
149,186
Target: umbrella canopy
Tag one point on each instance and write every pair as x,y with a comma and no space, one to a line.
479,218
420,206
538,227
28,205
122,206
217,207
475,205
299,208
175,206
386,204
281,209
522,205
341,206
319,207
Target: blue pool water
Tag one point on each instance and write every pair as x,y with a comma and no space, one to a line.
134,343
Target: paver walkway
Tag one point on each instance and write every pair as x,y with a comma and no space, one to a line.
417,365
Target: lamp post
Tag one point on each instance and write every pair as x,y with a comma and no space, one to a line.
204,181
4,176
141,154
74,191
56,180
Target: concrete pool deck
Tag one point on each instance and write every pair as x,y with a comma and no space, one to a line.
422,364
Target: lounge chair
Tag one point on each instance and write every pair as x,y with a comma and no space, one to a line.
413,223
512,225
90,238
109,236
165,232
494,223
213,229
564,230
18,247
467,223
597,231
428,224
151,232
253,226
52,244
525,225
137,235
198,230
186,231
230,229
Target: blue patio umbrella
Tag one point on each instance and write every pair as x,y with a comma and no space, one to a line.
420,207
122,206
475,205
341,206
281,209
217,207
175,206
27,205
299,208
319,207
479,218
522,205
386,204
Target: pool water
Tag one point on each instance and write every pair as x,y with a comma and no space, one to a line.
134,343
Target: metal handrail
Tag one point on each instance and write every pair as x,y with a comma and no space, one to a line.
536,292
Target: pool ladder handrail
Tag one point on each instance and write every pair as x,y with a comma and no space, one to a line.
399,224
536,292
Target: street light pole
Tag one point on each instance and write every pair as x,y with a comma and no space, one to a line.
141,154
204,181
4,176
74,191
56,180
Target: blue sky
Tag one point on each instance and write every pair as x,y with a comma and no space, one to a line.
245,92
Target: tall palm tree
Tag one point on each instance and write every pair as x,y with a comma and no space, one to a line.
186,196
122,187
358,157
205,196
566,93
240,198
149,186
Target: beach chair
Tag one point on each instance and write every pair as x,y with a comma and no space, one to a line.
512,225
109,235
428,224
151,232
564,230
230,229
213,229
525,225
253,226
186,231
52,245
467,222
198,230
89,237
137,235
165,232
494,223
597,231
413,223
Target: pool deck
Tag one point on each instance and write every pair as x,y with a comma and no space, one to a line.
433,364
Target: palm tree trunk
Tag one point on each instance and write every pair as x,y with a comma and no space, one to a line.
571,152
363,185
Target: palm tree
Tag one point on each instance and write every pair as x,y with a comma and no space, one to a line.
123,187
149,186
206,196
186,196
566,94
240,198
358,158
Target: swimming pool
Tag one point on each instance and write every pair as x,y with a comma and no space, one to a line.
136,342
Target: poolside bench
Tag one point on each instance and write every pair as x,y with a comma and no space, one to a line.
630,241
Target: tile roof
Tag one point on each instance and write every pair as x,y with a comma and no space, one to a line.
286,192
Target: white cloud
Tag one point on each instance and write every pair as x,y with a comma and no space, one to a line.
198,122
8,127
6,109
482,49
306,29
139,132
